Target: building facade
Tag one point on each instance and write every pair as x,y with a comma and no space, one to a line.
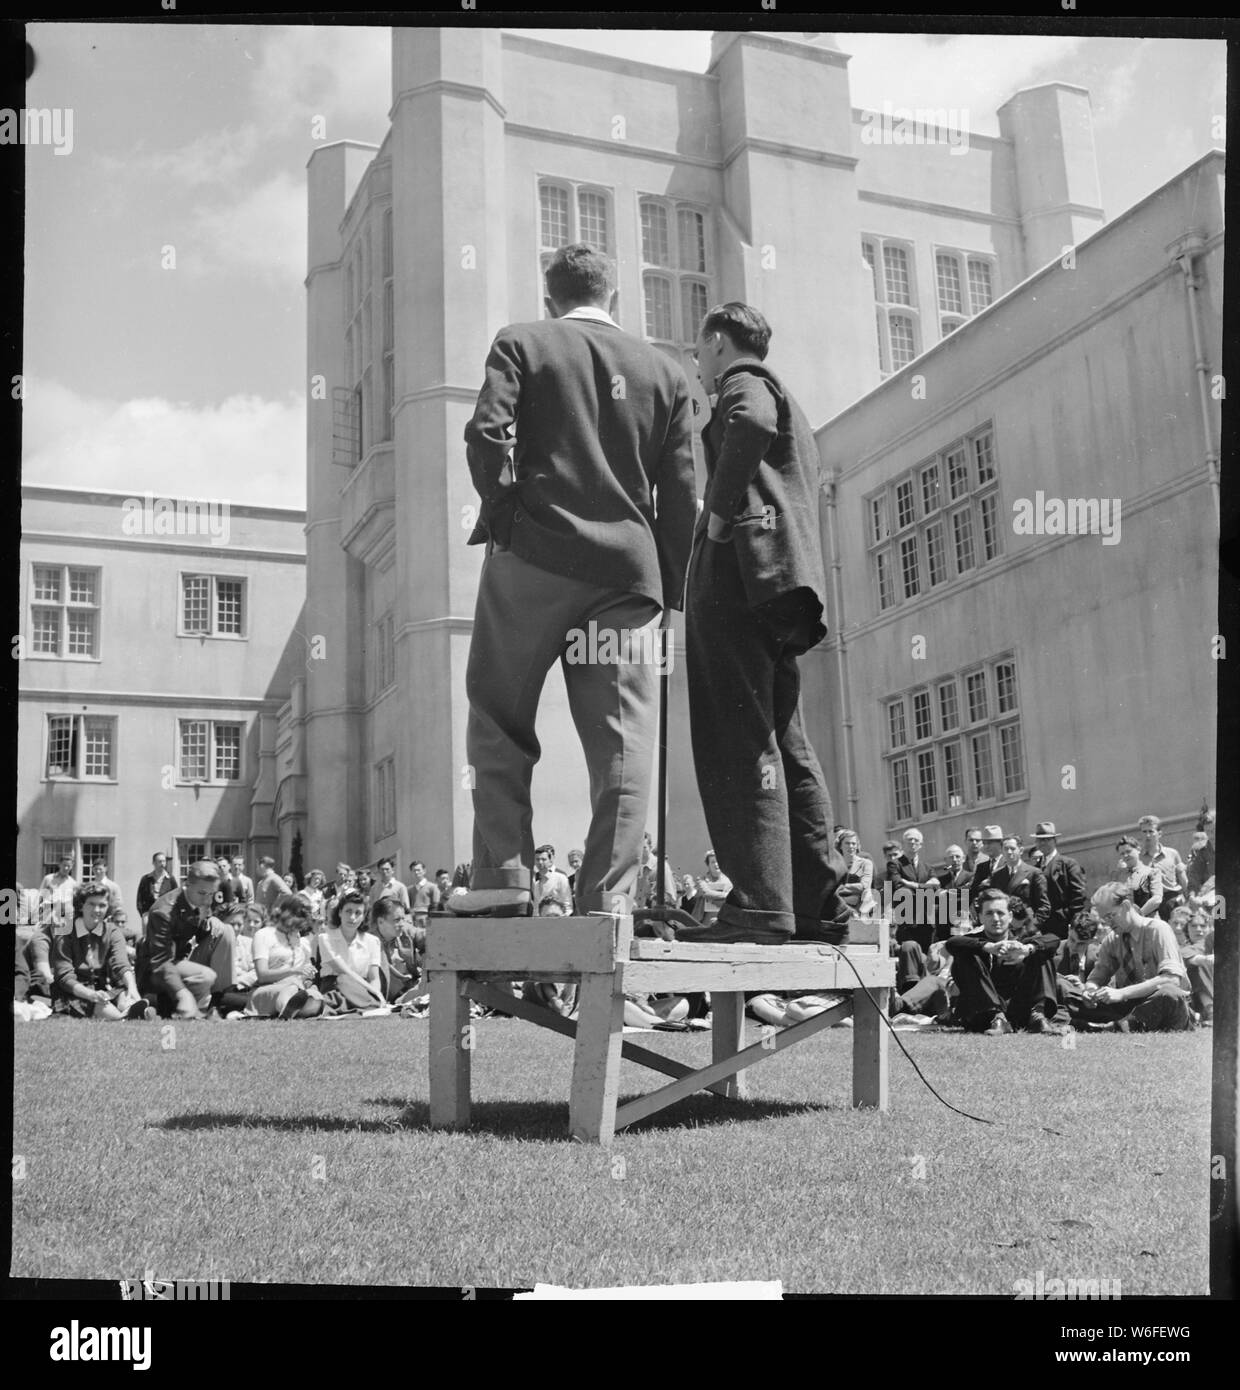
868,240
159,643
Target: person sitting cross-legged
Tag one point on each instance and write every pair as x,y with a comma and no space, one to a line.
94,978
284,965
1138,981
1194,934
1005,983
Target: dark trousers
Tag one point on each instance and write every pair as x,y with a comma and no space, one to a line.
764,797
916,991
987,989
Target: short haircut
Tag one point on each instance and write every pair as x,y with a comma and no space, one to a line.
954,849
1149,823
890,845
546,849
973,830
843,834
990,895
91,890
1020,910
1020,844
1126,842
266,862
392,862
443,871
350,895
578,274
746,328
159,854
1111,895
203,868
382,909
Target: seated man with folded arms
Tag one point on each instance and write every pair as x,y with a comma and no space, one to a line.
1139,981
91,964
1005,983
187,953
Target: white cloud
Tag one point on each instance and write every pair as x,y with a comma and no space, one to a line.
341,73
977,72
264,230
218,157
1111,101
245,449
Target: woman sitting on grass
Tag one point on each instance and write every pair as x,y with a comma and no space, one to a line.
283,967
349,957
90,963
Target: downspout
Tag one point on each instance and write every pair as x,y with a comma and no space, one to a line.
1183,254
828,488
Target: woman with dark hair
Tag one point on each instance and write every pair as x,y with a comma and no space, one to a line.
90,963
350,956
283,967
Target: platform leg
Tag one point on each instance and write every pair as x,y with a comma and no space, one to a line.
727,1038
451,1047
596,1059
870,1038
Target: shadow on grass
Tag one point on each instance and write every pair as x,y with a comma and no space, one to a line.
534,1119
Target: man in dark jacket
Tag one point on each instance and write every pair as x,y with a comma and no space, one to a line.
754,603
588,530
1065,880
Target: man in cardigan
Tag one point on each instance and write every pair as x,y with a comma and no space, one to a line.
588,530
754,603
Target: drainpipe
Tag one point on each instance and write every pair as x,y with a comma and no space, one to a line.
1183,253
841,646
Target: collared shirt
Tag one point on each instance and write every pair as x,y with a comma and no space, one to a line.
1168,863
553,886
1154,952
394,888
1145,883
56,894
96,959
280,952
590,311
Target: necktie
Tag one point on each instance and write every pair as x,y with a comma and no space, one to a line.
1129,964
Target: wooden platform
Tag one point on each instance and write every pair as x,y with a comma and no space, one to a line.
468,957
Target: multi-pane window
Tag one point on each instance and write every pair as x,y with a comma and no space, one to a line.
937,770
81,746
64,611
190,851
676,270
571,212
212,606
895,298
208,751
93,851
385,799
55,852
385,653
945,511
965,285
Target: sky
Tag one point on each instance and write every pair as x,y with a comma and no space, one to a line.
165,254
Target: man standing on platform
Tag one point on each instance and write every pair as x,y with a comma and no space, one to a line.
754,603
588,529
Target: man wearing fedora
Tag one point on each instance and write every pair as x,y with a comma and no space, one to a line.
992,839
1065,881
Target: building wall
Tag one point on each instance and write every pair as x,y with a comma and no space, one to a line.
147,678
1087,375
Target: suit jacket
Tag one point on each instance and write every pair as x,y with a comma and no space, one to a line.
1027,883
601,483
1065,888
762,470
928,914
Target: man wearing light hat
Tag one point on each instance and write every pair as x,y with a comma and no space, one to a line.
1065,881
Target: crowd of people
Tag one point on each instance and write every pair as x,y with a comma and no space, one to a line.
994,936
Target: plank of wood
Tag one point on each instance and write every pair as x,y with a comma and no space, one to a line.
682,977
770,1045
596,1058
727,1021
870,1063
569,945
648,948
556,1023
451,1043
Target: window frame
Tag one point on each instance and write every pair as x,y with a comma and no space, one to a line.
574,188
213,606
678,276
950,319
887,308
80,718
63,607
211,780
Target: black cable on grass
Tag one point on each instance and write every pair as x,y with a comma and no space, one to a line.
981,1119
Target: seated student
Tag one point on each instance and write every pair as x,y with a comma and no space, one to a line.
552,994
1194,935
283,964
400,945
1138,981
1144,881
38,953
94,978
692,900
1005,983
1079,953
132,933
349,956
186,949
856,887
245,922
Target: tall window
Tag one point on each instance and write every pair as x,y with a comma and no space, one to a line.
676,270
943,768
385,654
897,312
85,852
947,520
64,611
212,606
208,751
387,405
570,212
385,799
81,747
965,286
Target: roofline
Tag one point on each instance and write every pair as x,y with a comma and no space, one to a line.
50,493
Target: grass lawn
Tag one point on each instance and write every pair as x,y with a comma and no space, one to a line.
300,1153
